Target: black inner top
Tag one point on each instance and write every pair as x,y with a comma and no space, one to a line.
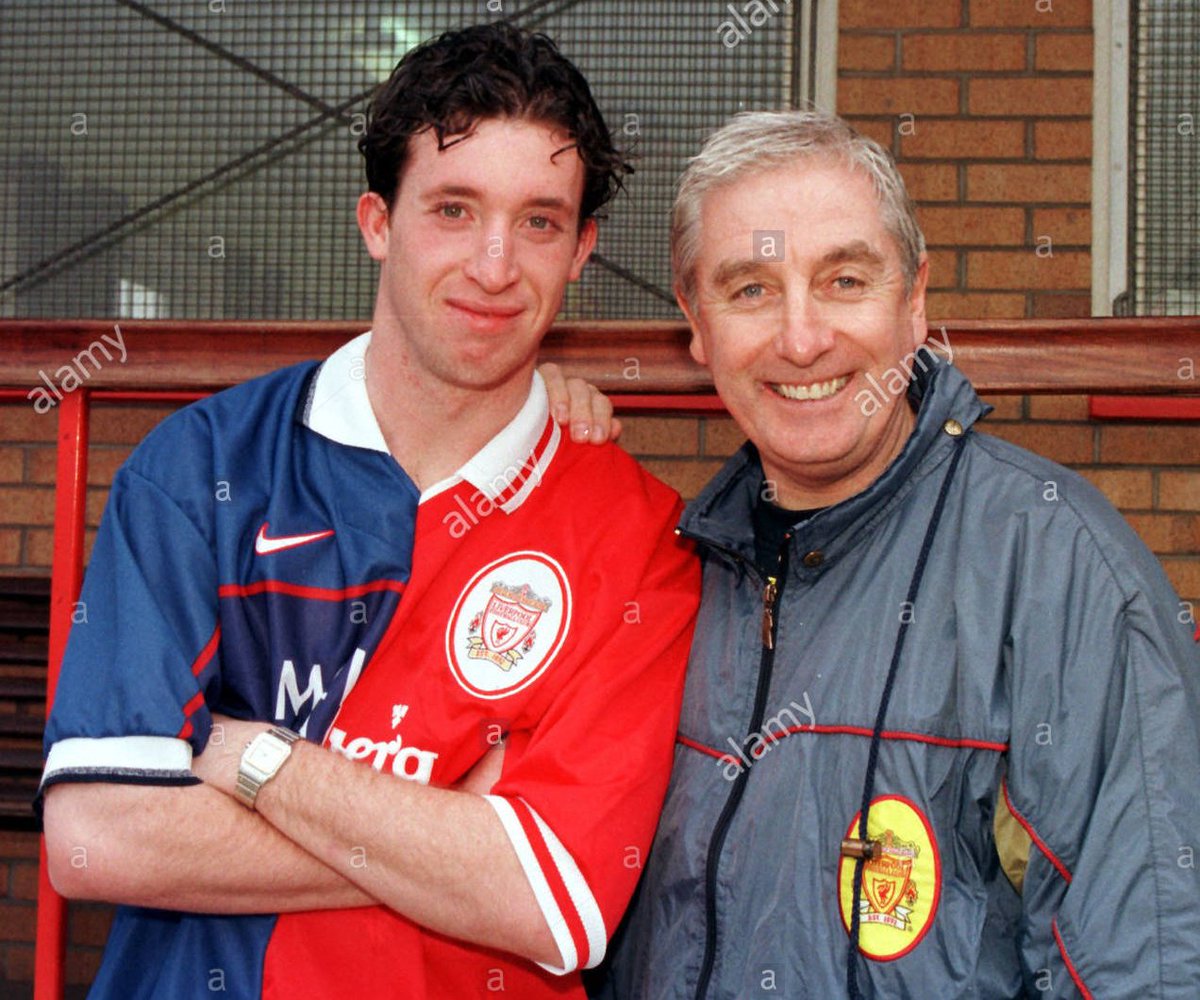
771,523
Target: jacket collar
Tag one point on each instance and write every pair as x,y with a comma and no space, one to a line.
721,514
504,470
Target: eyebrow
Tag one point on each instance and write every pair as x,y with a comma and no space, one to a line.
854,252
730,270
464,191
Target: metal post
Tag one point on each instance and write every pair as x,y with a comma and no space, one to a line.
70,495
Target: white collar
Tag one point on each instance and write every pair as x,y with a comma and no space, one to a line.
504,470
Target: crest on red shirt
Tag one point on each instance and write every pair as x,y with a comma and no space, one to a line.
508,624
505,623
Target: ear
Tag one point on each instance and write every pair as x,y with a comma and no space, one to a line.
373,217
916,302
697,344
583,248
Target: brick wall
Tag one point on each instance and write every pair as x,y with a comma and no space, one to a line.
986,105
87,924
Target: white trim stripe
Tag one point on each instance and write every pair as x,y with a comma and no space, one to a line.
579,891
537,882
533,478
164,755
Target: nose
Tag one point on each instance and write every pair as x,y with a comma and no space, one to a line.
805,332
492,264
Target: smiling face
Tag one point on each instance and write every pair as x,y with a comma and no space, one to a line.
792,334
476,253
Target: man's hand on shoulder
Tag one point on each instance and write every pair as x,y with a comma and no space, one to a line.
581,406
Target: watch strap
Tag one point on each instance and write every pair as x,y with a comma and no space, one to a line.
250,779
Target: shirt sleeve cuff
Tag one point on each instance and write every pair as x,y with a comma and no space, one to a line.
562,893
150,760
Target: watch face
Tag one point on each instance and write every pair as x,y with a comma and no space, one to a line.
267,754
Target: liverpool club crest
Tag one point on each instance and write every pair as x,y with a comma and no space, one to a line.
901,887
889,892
504,630
508,624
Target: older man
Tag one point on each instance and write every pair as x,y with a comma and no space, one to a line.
939,736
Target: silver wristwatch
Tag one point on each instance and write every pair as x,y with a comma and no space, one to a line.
262,760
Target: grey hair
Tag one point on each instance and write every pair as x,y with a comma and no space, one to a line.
754,141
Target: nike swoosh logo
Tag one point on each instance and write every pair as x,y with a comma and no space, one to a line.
264,546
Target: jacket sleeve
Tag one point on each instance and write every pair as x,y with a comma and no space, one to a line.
1103,772
580,794
143,646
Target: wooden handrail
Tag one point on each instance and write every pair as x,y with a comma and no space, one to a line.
1111,356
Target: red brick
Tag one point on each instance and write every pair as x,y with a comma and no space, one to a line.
866,52
23,881
1062,140
26,505
1066,226
1184,574
1047,14
17,844
1178,490
974,52
722,436
10,546
1062,306
897,95
660,435
1022,182
82,965
957,139
1043,97
688,476
1129,489
1058,442
89,924
1168,533
972,225
97,497
1004,407
974,305
1058,407
1063,52
17,921
1026,269
103,463
1149,444
39,547
126,424
18,963
943,269
899,13
19,422
882,130
930,181
12,464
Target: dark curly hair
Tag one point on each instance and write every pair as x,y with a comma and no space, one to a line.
487,71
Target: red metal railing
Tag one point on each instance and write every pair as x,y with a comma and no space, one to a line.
181,362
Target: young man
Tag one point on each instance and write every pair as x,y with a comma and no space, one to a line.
940,730
379,568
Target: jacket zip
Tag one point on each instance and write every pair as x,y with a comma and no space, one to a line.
772,592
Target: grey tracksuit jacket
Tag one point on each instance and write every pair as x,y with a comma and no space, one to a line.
1037,785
